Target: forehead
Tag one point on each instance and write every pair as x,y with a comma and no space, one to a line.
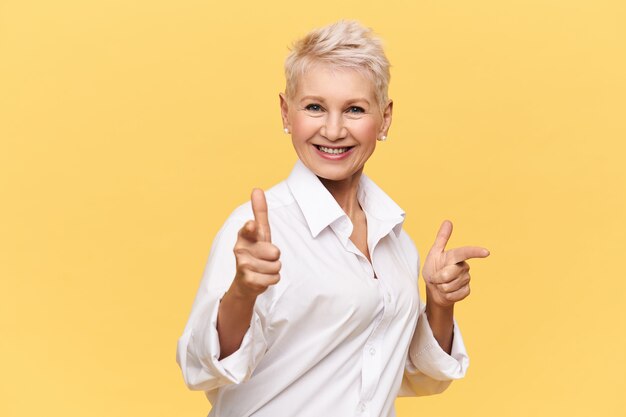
335,83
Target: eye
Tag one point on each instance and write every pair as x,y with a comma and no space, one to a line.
313,107
356,109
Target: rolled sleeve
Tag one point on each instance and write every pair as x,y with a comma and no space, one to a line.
429,358
429,369
199,352
198,349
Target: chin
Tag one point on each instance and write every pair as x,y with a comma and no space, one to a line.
336,173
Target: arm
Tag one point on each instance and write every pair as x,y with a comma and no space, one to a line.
437,354
198,351
233,320
441,320
258,267
446,274
208,357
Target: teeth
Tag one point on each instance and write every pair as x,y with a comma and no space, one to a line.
334,151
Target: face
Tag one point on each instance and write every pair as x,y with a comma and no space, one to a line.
334,120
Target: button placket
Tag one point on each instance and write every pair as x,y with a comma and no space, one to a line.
371,359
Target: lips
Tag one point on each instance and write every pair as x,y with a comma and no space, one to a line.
333,150
333,153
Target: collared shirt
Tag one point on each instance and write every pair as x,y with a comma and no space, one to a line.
337,335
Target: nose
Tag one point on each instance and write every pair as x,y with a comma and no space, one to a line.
333,128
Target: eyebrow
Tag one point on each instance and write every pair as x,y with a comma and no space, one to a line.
352,100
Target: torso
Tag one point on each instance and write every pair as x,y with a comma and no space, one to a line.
326,319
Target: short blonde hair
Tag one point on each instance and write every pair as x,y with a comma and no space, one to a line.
343,44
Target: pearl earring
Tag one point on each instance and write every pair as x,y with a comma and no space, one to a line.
382,138
286,130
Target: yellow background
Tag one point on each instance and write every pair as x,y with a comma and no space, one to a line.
130,129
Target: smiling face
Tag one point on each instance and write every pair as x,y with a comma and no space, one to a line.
334,120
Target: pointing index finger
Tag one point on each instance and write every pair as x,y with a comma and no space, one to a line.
259,208
456,255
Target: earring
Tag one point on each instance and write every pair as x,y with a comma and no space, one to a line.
286,130
382,138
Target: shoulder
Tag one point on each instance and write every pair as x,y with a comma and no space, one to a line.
406,241
409,249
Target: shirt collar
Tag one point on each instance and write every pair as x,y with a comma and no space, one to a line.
320,209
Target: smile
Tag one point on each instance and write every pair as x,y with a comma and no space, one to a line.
333,151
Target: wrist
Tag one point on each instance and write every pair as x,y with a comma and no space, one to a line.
438,309
239,294
438,313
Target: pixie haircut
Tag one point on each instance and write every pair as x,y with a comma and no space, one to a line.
343,44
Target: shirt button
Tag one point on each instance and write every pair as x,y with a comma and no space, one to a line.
362,407
372,351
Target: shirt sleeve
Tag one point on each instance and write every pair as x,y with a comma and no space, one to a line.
198,348
429,369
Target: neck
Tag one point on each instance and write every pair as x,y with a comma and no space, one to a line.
345,192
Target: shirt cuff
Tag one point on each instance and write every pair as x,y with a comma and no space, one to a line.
429,358
238,366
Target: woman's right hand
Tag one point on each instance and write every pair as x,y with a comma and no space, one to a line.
258,266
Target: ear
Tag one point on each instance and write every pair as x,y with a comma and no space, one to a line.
284,110
387,113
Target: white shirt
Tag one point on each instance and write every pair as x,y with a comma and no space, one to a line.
328,339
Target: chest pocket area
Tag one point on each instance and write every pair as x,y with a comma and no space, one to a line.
331,296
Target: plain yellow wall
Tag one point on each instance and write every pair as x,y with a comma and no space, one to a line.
130,129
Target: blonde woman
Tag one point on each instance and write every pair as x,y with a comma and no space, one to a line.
309,303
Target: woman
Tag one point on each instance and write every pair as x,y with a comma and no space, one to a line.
312,308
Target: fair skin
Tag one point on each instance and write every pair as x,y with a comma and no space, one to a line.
336,109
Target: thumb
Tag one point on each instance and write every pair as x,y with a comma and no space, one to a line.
259,208
445,230
249,231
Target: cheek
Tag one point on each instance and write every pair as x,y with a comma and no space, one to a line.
366,130
302,125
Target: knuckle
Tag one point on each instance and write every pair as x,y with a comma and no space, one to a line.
275,279
271,251
239,250
252,282
260,287
244,264
245,228
251,277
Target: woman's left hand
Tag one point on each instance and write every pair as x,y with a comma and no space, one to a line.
446,272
